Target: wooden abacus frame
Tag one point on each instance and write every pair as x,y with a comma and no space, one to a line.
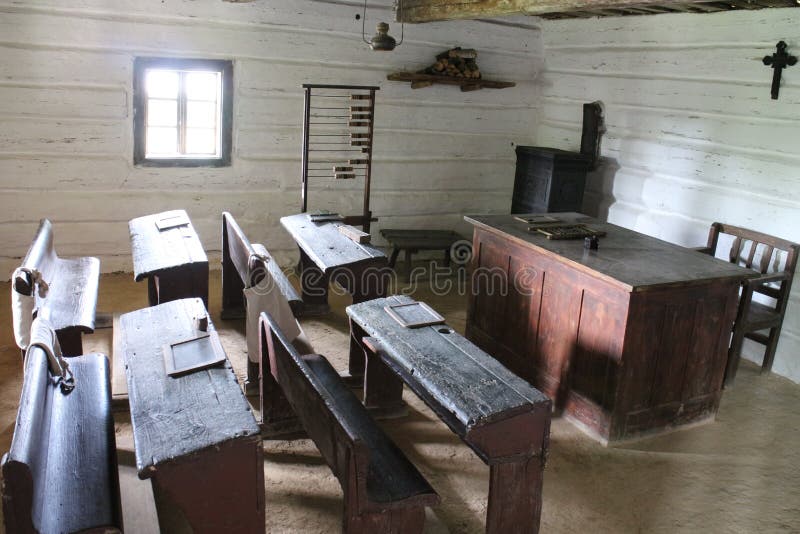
344,163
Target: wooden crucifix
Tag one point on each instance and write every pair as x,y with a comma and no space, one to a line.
779,61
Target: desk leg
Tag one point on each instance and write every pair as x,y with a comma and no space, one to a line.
181,283
214,491
152,290
515,497
354,377
314,287
383,389
372,283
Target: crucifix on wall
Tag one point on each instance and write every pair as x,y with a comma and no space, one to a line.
778,61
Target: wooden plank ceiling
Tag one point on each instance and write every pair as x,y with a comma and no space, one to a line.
433,10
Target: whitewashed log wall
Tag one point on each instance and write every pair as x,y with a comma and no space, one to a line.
693,136
66,129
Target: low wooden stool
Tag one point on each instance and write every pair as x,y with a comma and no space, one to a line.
413,241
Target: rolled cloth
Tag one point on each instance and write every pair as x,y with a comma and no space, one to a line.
22,305
44,337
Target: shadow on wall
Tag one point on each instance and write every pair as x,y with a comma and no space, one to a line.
598,195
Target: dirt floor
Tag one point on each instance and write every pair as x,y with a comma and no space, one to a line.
738,474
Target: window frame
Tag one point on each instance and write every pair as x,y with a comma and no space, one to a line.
140,66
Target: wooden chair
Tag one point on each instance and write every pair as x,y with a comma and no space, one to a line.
762,253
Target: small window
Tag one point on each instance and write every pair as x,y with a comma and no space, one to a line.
182,112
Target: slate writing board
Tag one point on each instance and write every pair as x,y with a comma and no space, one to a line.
173,221
532,218
414,314
194,354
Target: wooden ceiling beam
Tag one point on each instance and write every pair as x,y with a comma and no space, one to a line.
415,11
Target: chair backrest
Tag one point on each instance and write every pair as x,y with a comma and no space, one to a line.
760,252
41,257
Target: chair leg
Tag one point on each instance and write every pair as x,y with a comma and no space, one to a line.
769,355
734,355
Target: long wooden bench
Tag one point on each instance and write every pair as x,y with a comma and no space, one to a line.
61,472
64,290
246,265
383,491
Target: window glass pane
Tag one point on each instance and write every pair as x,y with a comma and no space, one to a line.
162,141
201,114
162,112
202,85
201,141
161,84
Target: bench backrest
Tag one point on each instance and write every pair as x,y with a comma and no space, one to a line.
41,257
237,248
60,473
336,440
252,262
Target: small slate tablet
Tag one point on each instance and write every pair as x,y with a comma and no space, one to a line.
533,218
194,354
172,221
414,314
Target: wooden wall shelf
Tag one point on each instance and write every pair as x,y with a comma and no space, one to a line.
419,81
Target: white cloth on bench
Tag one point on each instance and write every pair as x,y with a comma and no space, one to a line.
22,306
44,337
266,296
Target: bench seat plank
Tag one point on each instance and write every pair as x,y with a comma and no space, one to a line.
385,459
383,490
175,417
72,298
65,452
70,302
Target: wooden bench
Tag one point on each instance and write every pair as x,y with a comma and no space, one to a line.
412,241
195,435
383,491
61,472
497,414
246,265
167,252
69,300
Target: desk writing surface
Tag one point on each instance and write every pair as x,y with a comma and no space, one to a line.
175,417
326,246
626,258
475,387
157,250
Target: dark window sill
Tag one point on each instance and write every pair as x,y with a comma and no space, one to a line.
183,162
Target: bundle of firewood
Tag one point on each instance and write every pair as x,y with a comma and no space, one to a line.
456,63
